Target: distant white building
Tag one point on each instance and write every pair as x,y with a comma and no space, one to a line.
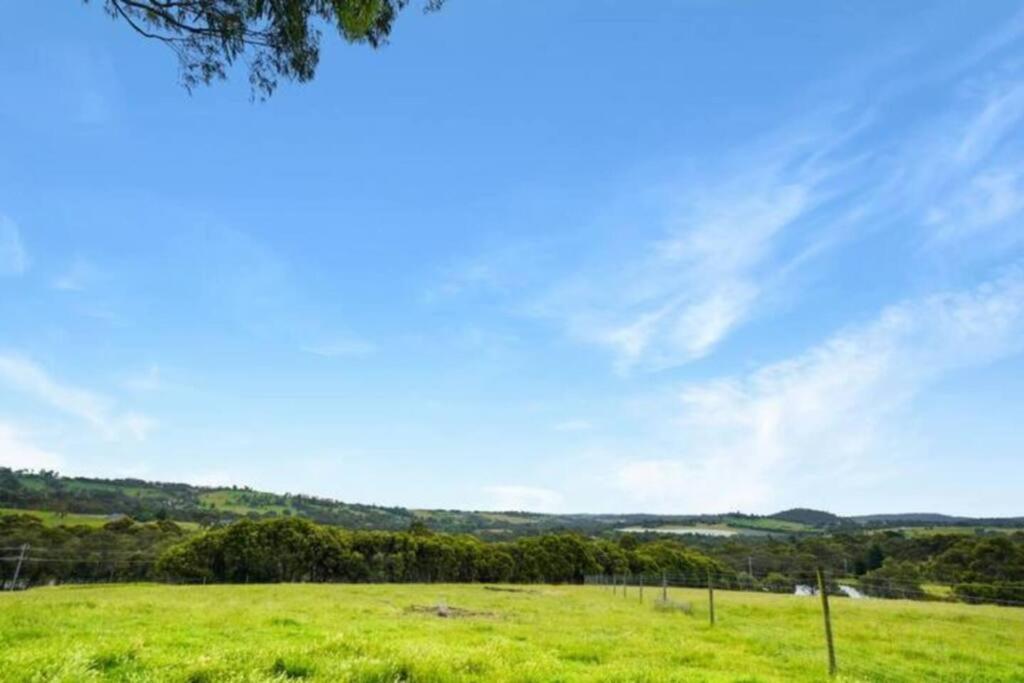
806,591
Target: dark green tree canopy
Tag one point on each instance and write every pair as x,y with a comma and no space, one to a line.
276,38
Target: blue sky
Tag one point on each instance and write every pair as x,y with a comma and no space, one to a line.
579,256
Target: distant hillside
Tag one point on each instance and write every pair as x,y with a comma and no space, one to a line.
60,499
814,518
912,517
143,500
50,493
933,519
66,500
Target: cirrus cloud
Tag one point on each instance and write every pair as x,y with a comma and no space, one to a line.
95,409
828,410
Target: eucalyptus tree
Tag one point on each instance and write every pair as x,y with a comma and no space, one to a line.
277,39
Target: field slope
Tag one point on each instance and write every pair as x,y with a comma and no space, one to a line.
538,633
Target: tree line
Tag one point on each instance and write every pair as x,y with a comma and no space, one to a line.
120,550
299,550
985,566
296,549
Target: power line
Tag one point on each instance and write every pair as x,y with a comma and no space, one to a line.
30,560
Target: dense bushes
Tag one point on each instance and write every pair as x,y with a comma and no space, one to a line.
989,560
121,550
990,592
299,550
894,579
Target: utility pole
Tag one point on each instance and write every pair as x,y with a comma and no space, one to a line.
664,588
17,567
828,623
750,568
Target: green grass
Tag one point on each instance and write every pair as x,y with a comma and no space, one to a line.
233,501
390,633
53,519
937,590
137,491
50,518
737,525
767,524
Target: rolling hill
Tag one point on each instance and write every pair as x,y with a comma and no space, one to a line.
70,500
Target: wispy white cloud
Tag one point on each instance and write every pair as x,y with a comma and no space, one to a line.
13,257
17,453
95,409
719,245
729,243
511,497
959,175
725,245
828,410
986,201
1000,114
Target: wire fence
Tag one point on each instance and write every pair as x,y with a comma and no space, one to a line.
821,586
805,583
118,565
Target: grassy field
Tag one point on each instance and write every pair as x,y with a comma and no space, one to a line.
49,518
234,501
390,633
53,519
767,524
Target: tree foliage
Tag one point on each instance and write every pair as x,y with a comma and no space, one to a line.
299,550
277,38
121,550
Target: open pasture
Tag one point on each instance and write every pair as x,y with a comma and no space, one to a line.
388,633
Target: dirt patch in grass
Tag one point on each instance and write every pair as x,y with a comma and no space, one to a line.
673,606
449,612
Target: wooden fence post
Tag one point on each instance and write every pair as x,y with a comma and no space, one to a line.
711,600
828,623
664,588
641,588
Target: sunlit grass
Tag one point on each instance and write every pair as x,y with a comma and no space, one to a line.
536,633
50,518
